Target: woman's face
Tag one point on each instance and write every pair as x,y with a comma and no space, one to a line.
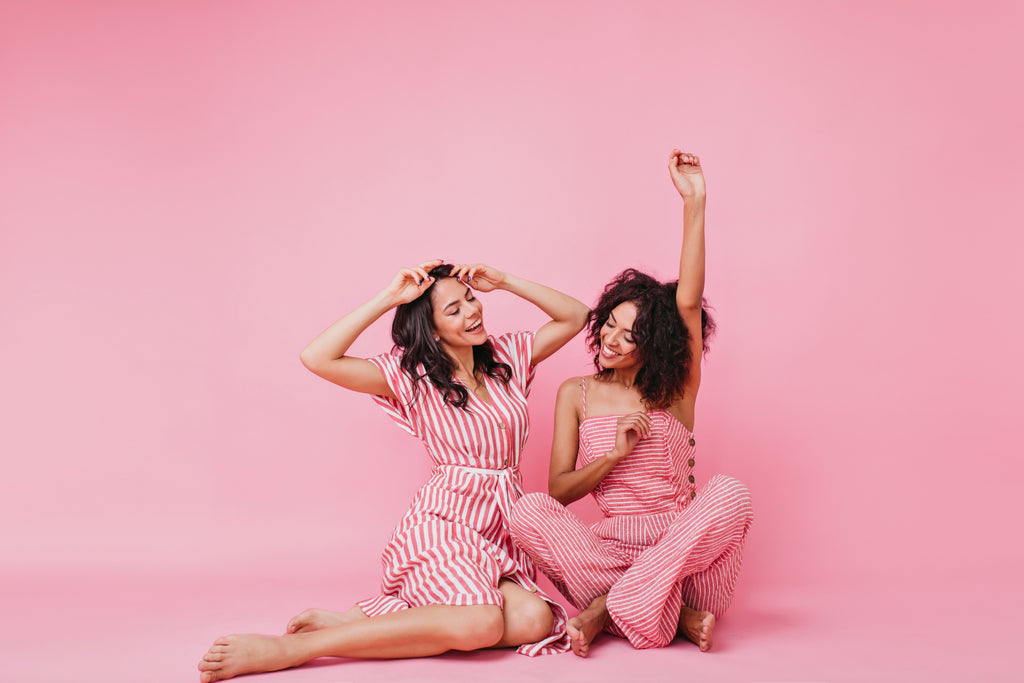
458,314
618,346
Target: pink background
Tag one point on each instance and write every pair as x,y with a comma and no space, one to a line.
191,191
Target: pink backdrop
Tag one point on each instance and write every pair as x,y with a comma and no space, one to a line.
191,191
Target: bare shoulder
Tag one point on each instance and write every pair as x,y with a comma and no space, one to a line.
570,396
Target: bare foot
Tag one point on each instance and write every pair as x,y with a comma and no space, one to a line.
585,627
245,654
696,626
316,619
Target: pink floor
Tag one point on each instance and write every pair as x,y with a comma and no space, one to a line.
154,628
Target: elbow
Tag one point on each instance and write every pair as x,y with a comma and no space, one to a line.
310,361
559,492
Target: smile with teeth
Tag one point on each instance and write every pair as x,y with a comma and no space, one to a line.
475,328
608,353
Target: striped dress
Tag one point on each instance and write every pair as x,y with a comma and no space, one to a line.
661,544
453,545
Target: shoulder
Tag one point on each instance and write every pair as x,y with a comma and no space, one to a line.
570,396
512,345
571,386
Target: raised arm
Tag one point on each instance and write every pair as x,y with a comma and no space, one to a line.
689,181
568,316
566,483
325,355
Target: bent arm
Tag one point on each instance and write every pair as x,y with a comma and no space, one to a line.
566,483
568,315
325,355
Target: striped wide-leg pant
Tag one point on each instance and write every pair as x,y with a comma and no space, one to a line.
648,565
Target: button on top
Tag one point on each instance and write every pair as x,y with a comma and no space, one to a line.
693,442
692,462
501,425
691,478
693,494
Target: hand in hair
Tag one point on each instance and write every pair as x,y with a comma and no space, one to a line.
480,277
687,174
409,283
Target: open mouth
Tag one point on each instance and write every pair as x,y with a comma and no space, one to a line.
475,328
608,353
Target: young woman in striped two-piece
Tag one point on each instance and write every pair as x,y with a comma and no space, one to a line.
664,559
453,579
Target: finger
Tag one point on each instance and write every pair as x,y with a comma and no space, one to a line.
458,271
413,276
421,274
431,264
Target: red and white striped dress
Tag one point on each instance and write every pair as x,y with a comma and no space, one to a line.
661,543
453,545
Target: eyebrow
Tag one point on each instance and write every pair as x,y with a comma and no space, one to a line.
612,316
454,301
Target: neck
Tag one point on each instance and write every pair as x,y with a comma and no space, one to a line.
626,378
463,359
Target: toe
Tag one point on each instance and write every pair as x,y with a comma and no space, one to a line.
213,656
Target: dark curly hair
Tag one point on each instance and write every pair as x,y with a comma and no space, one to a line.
413,333
662,340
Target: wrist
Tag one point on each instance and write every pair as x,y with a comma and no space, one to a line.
384,301
694,199
613,456
507,282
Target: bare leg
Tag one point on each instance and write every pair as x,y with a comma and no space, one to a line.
696,626
316,619
587,625
416,632
527,617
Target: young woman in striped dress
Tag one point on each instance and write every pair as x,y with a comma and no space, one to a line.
453,579
664,559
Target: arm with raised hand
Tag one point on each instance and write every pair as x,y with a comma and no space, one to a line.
568,315
688,177
325,355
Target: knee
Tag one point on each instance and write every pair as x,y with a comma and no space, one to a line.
527,514
483,627
528,621
732,495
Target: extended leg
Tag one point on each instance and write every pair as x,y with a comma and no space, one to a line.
415,632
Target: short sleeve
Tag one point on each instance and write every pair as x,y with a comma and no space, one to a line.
398,409
516,349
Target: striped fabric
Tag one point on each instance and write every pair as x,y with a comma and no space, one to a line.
661,543
453,545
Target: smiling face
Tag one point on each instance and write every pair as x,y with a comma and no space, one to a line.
458,315
618,345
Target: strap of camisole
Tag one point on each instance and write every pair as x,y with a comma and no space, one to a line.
583,391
